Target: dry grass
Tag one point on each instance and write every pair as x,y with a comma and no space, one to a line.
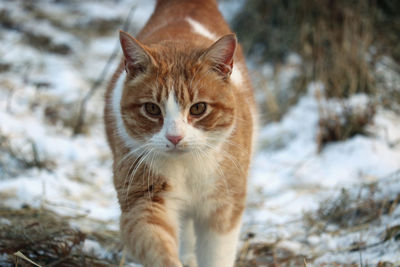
336,45
83,26
46,43
338,126
48,240
340,43
279,93
13,160
269,255
349,210
67,115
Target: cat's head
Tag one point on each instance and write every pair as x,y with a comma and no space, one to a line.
178,100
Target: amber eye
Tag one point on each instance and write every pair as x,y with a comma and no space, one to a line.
198,109
152,109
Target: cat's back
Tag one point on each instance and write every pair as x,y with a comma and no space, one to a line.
179,19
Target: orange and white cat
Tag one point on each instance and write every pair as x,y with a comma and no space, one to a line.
180,120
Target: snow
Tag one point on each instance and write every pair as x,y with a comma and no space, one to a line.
289,176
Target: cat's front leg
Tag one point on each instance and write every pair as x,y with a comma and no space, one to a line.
150,233
216,249
188,243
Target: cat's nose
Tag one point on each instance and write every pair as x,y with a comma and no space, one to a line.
175,139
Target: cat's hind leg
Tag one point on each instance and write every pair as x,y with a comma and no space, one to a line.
188,243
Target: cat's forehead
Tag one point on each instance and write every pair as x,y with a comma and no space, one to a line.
176,88
181,79
176,53
181,72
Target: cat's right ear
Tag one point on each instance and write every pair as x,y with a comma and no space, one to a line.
137,59
221,54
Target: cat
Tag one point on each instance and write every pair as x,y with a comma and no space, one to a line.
180,119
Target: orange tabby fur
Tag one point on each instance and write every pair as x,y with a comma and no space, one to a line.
159,197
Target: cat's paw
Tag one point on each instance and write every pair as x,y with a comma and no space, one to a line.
189,260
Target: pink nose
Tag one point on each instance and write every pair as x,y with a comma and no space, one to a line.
174,139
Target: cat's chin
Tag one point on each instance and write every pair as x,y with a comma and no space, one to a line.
176,152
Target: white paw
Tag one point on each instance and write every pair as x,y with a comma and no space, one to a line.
189,260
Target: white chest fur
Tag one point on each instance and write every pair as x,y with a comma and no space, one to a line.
192,181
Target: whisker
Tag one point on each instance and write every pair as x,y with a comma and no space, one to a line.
228,155
131,176
130,153
227,141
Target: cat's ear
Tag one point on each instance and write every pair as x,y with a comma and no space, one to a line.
221,53
137,59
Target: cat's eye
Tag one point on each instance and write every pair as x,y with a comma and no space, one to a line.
198,109
152,109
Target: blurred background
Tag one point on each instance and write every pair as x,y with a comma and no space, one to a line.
325,184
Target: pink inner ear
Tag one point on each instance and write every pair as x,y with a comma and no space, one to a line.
222,52
230,50
226,67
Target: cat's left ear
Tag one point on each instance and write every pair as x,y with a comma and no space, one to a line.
221,53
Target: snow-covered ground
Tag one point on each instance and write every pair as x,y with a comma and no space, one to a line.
44,165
